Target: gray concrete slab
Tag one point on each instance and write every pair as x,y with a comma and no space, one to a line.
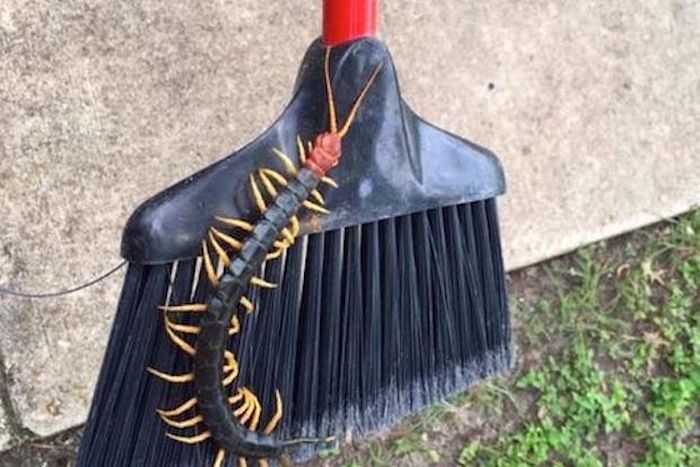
594,109
4,431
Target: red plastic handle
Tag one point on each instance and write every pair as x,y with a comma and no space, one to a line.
345,20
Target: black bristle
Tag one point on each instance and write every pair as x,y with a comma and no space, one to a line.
368,324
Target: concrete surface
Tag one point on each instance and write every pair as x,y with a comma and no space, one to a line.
594,108
4,431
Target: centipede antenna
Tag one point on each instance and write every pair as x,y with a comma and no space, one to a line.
358,102
329,92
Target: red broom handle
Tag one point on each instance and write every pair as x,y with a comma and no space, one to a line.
345,20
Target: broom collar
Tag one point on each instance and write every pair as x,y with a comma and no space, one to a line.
345,20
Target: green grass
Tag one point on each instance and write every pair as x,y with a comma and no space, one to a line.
608,371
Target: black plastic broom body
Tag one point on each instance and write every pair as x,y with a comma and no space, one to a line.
377,298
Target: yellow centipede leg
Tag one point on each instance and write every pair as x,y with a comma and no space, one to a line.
286,160
255,421
271,190
315,207
249,411
194,421
287,234
294,222
220,457
259,282
228,239
177,379
219,250
243,225
276,176
235,326
257,195
275,420
247,304
283,244
236,398
317,195
177,340
275,254
178,410
200,438
263,463
184,328
302,151
208,265
243,407
242,462
232,367
194,307
329,181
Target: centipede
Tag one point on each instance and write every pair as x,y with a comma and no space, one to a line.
232,254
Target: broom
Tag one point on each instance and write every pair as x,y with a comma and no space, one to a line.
338,273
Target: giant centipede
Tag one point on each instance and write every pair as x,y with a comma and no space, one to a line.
215,368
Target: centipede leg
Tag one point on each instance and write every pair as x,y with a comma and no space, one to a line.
274,421
286,160
209,265
302,150
247,304
176,379
189,423
179,410
315,207
241,224
329,181
220,457
200,438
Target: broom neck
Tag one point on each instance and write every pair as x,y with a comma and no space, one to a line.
345,20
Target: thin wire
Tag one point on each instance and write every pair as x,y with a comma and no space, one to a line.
61,293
